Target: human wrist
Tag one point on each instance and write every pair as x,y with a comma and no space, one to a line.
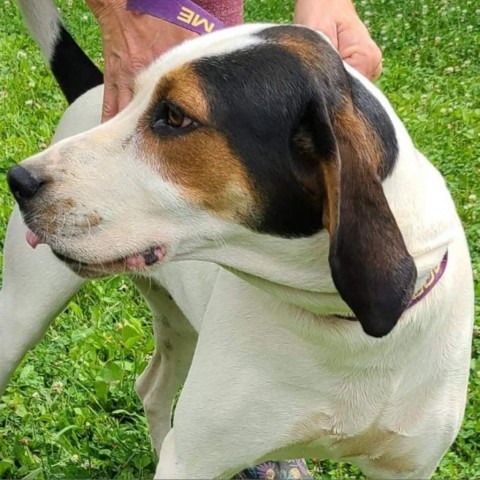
347,5
101,8
229,12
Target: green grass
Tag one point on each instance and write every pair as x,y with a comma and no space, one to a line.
70,410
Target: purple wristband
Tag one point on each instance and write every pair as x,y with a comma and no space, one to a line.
184,13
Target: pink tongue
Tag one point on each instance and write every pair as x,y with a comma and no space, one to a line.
32,239
145,259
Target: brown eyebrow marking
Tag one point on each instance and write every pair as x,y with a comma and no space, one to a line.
183,87
200,163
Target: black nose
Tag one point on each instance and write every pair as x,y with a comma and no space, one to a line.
22,184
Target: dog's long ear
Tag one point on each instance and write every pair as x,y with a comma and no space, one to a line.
370,264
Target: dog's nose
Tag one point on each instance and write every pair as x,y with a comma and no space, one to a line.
22,183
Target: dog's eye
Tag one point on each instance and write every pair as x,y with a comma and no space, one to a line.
167,117
176,119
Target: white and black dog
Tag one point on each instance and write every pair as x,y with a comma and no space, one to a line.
312,286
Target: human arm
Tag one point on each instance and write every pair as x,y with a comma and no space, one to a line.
339,20
131,41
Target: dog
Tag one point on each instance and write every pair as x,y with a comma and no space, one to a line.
306,268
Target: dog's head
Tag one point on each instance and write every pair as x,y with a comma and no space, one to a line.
256,128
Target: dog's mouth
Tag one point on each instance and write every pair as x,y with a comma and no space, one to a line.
135,263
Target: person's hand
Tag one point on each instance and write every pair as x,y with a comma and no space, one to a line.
131,41
340,22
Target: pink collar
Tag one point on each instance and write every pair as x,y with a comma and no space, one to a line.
435,275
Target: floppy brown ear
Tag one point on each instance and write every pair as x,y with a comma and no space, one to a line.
370,264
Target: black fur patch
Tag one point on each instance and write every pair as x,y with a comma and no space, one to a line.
73,70
302,126
260,100
256,97
334,80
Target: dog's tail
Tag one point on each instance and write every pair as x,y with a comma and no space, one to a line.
74,71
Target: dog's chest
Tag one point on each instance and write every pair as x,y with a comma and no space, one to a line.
325,434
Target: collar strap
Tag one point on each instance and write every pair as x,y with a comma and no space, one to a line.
184,13
435,275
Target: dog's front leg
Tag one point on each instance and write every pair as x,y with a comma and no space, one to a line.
36,287
175,341
239,405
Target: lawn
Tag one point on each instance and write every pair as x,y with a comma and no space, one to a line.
71,411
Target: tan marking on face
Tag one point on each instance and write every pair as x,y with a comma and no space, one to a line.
199,162
183,87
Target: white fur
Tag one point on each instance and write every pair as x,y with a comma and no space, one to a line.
269,377
43,20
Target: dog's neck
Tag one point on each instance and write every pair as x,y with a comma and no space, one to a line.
294,270
297,270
